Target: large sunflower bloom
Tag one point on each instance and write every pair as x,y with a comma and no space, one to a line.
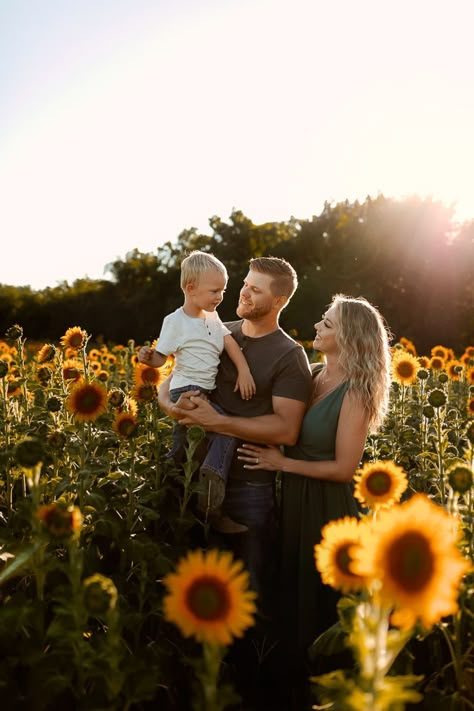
333,556
413,554
87,401
208,597
380,484
72,370
405,366
74,337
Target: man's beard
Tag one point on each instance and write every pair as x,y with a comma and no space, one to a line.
252,314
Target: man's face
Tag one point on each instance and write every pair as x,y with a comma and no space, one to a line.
256,298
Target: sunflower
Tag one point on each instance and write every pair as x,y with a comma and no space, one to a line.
59,520
437,363
125,424
454,369
440,352
94,354
460,476
144,392
424,361
72,370
333,556
470,376
46,354
208,597
13,388
143,374
470,406
405,366
74,337
413,554
87,401
380,484
408,345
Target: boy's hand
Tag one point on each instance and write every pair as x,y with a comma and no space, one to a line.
246,385
145,354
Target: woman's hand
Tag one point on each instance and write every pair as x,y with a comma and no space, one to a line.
258,457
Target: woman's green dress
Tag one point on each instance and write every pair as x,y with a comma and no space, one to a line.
309,606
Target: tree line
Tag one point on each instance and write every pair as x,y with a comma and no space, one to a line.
408,256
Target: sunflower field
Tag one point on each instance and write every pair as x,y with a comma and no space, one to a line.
106,601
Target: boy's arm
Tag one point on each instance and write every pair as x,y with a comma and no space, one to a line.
245,382
150,357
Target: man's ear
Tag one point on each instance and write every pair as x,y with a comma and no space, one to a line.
280,302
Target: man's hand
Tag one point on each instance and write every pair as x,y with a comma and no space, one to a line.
196,411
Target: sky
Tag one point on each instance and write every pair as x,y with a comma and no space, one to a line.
124,122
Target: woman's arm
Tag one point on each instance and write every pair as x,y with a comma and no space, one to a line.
350,442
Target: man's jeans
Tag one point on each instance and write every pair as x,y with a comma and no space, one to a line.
221,448
253,504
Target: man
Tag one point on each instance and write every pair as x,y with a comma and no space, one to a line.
282,376
273,415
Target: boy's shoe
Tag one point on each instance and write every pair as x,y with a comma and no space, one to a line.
224,524
213,492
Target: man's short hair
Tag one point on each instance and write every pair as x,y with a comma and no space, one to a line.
284,277
196,263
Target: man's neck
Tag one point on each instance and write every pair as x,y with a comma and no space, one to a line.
259,327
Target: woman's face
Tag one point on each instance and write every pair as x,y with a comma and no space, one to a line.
325,340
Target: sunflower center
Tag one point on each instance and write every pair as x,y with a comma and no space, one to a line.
343,559
208,598
88,400
405,369
410,561
378,483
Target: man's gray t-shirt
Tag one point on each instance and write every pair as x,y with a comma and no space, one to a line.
280,368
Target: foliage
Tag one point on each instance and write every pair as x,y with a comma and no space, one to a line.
93,519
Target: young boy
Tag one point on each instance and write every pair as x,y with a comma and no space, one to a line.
196,336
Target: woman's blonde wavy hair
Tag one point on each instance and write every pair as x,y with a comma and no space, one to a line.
364,342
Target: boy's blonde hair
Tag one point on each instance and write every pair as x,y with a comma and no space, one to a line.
196,263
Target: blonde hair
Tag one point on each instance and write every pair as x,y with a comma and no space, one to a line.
284,277
196,263
364,343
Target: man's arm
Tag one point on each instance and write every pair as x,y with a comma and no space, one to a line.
280,428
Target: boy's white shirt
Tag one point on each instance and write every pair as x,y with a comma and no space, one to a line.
196,344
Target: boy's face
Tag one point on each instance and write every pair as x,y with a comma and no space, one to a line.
207,293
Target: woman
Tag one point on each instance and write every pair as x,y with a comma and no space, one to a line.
349,399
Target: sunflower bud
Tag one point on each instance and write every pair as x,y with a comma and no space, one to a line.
3,368
443,378
100,595
14,332
423,374
460,477
29,452
428,411
56,439
54,404
437,398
